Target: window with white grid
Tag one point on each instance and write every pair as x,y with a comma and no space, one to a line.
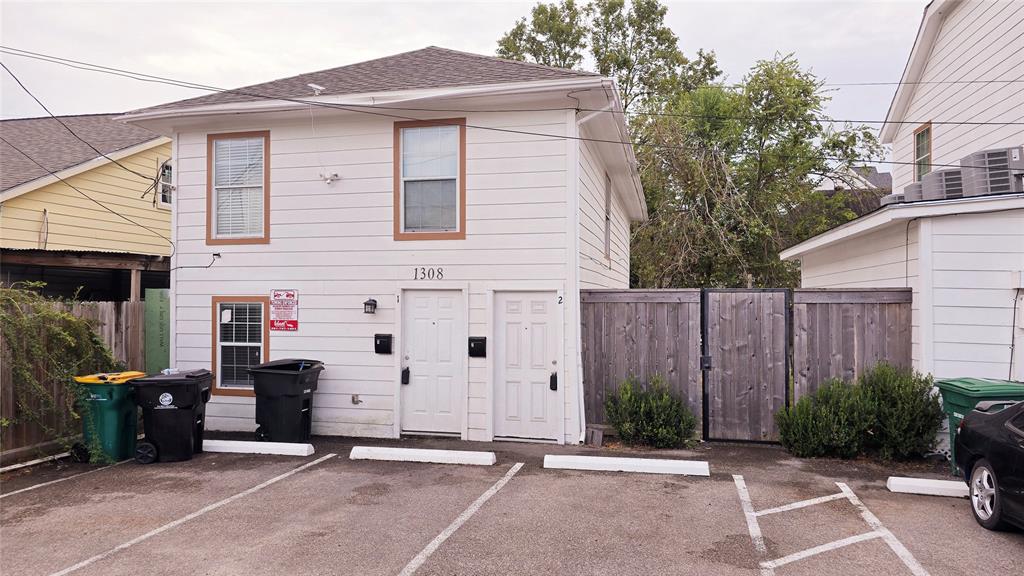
239,342
166,184
238,187
430,179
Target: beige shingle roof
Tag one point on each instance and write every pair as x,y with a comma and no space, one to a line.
430,67
50,144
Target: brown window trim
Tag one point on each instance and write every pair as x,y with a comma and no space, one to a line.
214,339
926,126
210,139
459,234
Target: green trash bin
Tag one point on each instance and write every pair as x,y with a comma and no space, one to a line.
961,395
111,416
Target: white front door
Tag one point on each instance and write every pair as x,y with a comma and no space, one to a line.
432,326
527,347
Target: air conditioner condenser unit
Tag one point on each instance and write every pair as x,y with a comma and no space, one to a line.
942,184
912,192
997,171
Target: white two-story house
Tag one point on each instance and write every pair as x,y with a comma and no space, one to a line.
452,203
953,230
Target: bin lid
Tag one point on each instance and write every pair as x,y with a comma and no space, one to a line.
109,377
179,377
982,387
289,365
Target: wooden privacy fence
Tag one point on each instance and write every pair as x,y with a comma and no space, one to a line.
119,324
731,354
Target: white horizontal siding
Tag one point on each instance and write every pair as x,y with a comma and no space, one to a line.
596,270
333,243
978,40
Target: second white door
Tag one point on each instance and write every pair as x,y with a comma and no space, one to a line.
527,398
432,326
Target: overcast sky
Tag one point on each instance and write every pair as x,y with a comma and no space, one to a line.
232,44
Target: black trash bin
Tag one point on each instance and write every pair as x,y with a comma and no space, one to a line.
284,398
173,415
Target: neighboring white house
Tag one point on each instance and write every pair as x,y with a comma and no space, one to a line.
464,194
954,229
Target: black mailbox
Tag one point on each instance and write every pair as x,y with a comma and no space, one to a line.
477,347
382,343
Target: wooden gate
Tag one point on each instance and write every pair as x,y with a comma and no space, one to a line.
745,361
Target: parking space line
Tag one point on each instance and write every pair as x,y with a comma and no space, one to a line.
191,516
434,544
79,475
887,536
772,564
752,526
801,504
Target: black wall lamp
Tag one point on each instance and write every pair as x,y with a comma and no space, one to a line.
370,306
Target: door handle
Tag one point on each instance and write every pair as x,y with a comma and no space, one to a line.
405,375
553,381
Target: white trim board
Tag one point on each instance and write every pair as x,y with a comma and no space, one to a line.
643,465
927,487
251,447
423,455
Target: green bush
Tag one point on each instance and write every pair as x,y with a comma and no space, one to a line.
650,416
888,412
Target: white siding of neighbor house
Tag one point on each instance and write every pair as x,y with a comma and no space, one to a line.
333,243
963,292
597,271
978,40
884,258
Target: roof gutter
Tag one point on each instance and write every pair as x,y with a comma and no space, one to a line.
362,101
906,211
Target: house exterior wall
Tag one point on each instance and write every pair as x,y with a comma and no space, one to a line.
73,222
978,40
962,270
596,269
334,245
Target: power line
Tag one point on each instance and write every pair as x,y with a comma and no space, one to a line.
73,133
140,76
90,198
369,109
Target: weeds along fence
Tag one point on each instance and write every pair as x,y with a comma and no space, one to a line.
119,324
738,356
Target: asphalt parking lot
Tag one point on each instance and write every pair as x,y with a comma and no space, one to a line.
241,514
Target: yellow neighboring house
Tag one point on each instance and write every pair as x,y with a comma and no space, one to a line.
77,240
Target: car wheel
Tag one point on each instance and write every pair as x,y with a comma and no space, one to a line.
986,503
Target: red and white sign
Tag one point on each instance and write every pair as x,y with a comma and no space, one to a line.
284,310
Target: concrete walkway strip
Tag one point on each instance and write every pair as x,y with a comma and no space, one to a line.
643,465
249,447
80,474
927,487
434,544
13,467
423,455
192,516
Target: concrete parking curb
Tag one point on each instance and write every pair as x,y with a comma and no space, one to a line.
248,447
927,487
643,465
423,455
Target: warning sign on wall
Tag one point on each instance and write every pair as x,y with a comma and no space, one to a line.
284,310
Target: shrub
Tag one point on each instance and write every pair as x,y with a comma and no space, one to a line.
908,413
890,412
650,416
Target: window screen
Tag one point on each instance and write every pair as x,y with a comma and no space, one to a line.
922,152
430,168
241,343
238,187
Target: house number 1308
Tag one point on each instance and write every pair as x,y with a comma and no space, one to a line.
428,273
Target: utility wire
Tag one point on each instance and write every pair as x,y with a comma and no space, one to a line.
367,109
73,133
87,66
90,198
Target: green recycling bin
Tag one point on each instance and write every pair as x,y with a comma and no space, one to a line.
961,395
109,417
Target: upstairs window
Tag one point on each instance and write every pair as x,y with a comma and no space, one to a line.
922,151
166,185
238,188
430,193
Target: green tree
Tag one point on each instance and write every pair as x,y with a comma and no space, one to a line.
732,179
555,35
